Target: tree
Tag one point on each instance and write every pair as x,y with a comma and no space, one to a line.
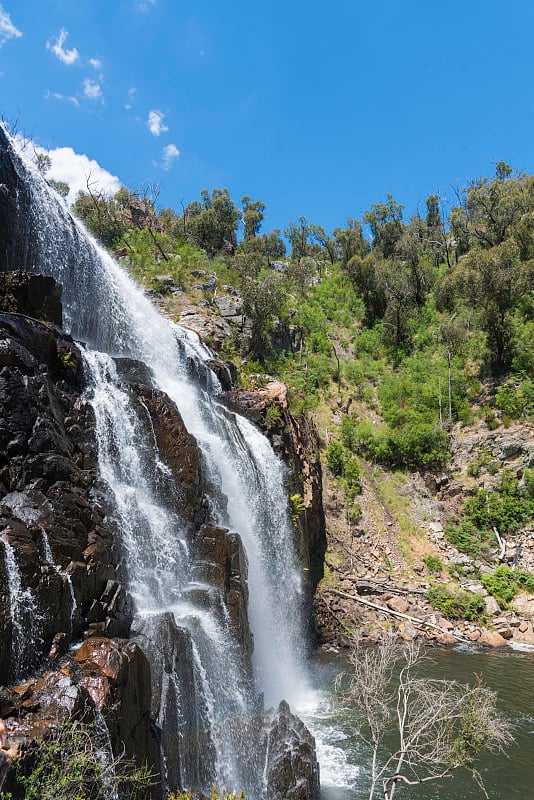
212,223
262,301
61,187
385,221
350,241
419,729
102,215
410,249
494,282
364,274
300,236
43,162
253,216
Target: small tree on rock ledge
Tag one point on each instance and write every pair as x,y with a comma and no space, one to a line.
419,729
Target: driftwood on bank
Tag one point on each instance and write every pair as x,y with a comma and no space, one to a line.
389,611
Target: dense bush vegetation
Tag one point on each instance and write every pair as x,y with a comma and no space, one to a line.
457,605
414,320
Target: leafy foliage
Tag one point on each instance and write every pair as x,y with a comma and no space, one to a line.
70,765
457,605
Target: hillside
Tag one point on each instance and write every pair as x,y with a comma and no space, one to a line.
412,354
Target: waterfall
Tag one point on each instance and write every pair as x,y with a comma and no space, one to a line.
25,616
47,552
104,308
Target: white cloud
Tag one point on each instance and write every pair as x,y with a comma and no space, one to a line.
65,98
7,29
155,123
67,56
170,154
95,63
131,96
74,169
91,89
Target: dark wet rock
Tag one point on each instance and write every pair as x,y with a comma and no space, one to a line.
133,371
178,450
224,373
221,562
116,675
292,771
36,296
177,706
52,513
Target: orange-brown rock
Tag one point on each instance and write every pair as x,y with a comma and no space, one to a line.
492,639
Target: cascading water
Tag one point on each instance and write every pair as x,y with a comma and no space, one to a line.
25,617
47,550
104,308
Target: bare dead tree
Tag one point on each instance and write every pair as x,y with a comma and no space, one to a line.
437,726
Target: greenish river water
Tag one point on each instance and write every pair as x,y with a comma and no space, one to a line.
345,761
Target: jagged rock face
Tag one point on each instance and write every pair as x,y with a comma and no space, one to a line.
116,675
178,450
34,295
177,707
292,771
221,560
15,240
51,509
111,676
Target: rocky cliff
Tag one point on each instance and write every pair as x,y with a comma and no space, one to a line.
63,576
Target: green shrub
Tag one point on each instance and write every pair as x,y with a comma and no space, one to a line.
504,583
355,513
468,539
353,474
433,563
416,445
335,457
272,416
501,585
516,399
69,766
457,605
481,460
505,508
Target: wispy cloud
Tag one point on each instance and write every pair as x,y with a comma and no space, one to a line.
65,98
92,89
144,5
66,56
131,96
170,154
155,123
7,29
95,63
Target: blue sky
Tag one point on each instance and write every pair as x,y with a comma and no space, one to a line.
318,109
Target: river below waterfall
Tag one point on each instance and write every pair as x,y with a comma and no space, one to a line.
345,761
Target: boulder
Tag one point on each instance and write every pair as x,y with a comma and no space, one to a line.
492,639
292,771
398,604
523,605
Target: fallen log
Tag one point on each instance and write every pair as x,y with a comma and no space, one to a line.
389,611
368,587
